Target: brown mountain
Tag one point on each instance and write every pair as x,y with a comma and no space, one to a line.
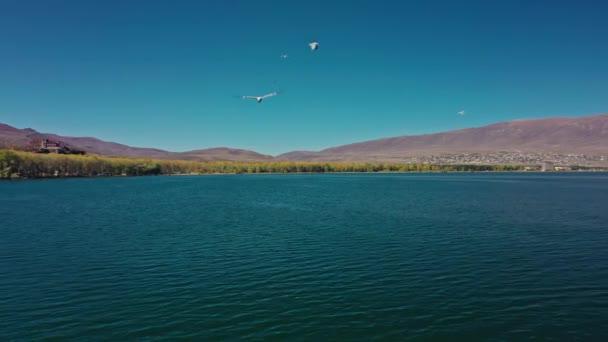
584,135
223,153
11,137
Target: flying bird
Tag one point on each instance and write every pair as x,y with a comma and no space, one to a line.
313,45
283,56
259,99
461,113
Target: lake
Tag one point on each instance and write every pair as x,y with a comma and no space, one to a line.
507,256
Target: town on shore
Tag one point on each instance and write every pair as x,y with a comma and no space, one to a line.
547,161
28,165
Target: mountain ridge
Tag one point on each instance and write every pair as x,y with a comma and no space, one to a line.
11,137
557,135
584,135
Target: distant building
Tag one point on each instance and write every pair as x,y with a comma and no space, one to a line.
50,146
547,166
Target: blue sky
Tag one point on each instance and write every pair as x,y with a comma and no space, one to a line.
167,74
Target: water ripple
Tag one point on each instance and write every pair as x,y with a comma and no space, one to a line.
308,257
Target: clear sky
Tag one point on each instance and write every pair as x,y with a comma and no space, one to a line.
167,74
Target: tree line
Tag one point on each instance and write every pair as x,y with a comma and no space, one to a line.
17,164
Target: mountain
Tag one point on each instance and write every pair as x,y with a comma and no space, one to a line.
584,135
520,141
298,155
222,153
14,137
11,137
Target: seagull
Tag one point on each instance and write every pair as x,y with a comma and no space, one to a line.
283,56
260,98
461,113
313,45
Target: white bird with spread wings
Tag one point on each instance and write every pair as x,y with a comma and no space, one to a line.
259,99
461,113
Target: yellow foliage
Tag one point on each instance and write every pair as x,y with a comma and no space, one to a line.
34,165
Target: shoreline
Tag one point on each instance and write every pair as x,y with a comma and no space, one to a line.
26,165
305,173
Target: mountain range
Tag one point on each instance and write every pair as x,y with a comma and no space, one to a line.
11,137
582,135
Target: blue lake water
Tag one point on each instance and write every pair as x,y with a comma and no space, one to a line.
306,257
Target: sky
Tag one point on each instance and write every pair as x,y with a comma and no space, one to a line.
168,74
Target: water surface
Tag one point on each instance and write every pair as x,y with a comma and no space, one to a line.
306,257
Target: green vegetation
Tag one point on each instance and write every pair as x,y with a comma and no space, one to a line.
16,164
587,168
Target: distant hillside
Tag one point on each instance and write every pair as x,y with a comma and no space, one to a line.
579,136
11,137
585,135
222,153
298,155
14,137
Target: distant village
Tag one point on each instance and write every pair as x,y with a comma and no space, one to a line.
532,161
543,161
50,146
